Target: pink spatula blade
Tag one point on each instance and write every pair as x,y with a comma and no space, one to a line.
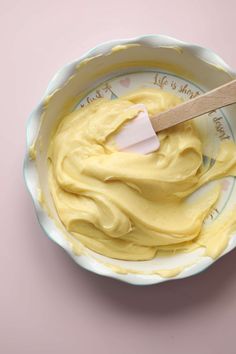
138,135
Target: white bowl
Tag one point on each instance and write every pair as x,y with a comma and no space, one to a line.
155,60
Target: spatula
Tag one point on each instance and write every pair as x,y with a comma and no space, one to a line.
140,136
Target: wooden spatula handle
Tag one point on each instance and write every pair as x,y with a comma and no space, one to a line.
220,97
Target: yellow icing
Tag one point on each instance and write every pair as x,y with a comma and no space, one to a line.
120,47
177,49
41,197
131,206
32,152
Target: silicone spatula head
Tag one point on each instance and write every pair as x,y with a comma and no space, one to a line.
138,135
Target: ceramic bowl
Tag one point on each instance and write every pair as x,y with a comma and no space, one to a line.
109,70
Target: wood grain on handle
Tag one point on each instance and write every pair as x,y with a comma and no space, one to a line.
220,97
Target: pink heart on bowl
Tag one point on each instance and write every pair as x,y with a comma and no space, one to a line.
125,82
225,184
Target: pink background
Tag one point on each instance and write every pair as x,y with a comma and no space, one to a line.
47,303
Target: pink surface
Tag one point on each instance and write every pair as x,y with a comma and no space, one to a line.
47,303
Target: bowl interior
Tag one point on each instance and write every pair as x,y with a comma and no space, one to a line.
121,69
